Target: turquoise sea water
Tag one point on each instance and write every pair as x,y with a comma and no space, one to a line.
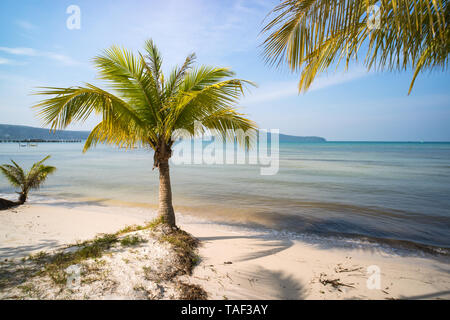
397,193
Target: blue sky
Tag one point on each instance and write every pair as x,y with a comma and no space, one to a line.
37,49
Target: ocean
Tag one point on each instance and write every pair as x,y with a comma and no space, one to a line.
393,193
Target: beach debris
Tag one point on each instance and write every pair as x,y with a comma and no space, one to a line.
341,269
228,262
189,291
252,281
335,283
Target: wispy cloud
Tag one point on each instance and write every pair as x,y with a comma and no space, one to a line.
10,62
213,29
286,89
19,51
5,61
338,78
26,25
61,58
30,52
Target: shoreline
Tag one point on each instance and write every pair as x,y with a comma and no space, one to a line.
339,240
238,263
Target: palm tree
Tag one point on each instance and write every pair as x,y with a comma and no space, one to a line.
145,108
312,35
26,181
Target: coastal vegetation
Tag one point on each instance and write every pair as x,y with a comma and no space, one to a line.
311,36
157,270
143,107
25,180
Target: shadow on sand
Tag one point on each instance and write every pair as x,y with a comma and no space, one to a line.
441,294
18,251
273,283
270,246
280,284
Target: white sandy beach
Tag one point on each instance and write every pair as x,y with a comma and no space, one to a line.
237,263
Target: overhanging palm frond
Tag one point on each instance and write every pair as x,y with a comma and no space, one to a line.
312,35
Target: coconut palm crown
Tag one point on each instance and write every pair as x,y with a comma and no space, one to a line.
142,107
26,181
312,35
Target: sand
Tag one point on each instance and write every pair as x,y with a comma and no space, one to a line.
238,263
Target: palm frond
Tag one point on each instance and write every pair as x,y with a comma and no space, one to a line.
77,104
203,92
37,176
312,35
231,125
154,62
127,75
122,135
11,175
177,76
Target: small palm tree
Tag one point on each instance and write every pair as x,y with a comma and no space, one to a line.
145,108
26,181
312,35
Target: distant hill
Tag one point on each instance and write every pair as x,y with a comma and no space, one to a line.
14,132
287,138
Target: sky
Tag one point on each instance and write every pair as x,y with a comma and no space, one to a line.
38,49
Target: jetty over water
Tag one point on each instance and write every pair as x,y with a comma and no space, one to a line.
40,140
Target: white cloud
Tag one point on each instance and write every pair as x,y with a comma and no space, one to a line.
30,52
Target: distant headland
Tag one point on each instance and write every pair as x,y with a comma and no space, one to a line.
288,138
16,133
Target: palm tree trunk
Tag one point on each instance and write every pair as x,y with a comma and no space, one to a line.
22,197
165,210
